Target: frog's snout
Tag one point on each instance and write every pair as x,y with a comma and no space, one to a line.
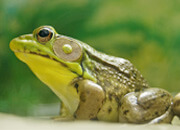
26,36
16,44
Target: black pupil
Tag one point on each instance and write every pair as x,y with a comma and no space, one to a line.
43,33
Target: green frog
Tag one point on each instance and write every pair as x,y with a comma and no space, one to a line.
92,85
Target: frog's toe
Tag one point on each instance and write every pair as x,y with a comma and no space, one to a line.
62,118
165,118
176,105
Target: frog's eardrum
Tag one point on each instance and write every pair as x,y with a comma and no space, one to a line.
73,53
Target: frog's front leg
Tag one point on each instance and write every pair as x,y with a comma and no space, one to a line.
91,99
151,105
64,114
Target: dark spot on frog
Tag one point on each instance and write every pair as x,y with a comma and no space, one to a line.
109,110
110,96
147,107
122,107
164,94
83,97
58,36
91,116
125,112
88,92
116,88
154,99
76,86
75,116
167,108
38,50
134,75
119,103
96,69
116,98
94,119
156,113
137,90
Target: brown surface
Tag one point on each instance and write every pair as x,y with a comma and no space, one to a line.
11,122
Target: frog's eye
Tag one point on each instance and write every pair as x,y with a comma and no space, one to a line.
67,49
44,35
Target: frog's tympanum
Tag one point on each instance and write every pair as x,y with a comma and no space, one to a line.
90,84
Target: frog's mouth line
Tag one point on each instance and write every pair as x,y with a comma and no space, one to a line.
39,54
46,56
51,58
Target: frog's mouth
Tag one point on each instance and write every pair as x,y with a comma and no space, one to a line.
26,44
55,73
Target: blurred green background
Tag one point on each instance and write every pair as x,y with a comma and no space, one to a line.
145,32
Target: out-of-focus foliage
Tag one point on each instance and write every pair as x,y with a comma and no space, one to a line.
145,32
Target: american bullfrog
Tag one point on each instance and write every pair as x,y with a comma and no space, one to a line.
92,85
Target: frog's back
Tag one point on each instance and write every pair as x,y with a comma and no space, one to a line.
117,76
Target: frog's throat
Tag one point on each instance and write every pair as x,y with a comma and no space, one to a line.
56,76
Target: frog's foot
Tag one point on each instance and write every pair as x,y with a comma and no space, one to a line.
91,100
176,105
64,114
148,106
165,118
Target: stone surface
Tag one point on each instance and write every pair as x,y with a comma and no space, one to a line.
12,122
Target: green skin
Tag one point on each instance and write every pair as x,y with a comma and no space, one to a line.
108,88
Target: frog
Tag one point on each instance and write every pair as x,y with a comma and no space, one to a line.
92,85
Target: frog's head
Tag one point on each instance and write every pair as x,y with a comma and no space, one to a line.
55,59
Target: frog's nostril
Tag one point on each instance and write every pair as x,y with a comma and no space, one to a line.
22,37
26,37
